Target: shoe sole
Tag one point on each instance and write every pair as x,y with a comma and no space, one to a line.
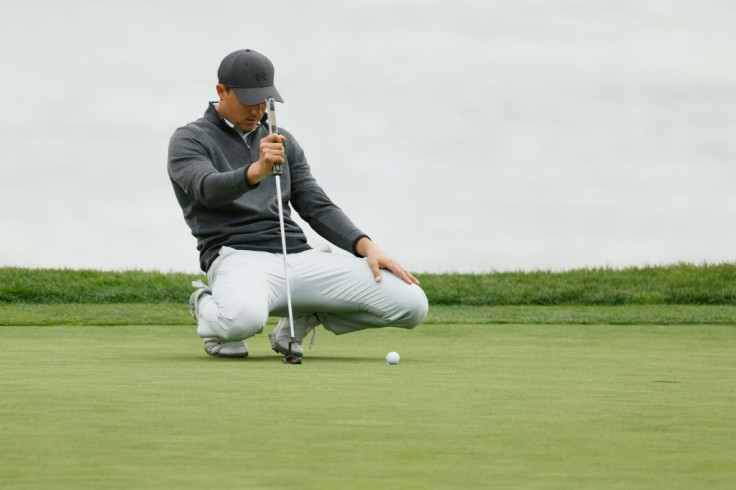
227,356
286,352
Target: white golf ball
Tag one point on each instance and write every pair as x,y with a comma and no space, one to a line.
393,357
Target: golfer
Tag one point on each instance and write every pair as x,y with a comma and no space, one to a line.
221,168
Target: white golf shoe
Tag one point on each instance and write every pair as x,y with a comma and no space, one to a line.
214,346
217,347
281,334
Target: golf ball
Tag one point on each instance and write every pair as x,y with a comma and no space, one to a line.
392,357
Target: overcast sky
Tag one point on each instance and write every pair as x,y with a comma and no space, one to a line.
463,136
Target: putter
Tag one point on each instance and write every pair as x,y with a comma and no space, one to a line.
277,171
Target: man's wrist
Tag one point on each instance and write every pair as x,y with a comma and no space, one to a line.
362,246
253,174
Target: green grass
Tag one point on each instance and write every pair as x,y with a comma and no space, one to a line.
18,314
469,406
711,284
594,378
674,284
20,285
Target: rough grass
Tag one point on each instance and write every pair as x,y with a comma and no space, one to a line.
675,284
19,285
680,284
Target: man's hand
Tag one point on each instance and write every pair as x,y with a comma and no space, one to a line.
378,259
272,152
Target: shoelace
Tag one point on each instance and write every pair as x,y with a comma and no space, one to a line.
315,322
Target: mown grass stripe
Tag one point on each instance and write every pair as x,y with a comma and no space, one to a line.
19,314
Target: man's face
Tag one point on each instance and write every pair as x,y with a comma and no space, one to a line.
244,117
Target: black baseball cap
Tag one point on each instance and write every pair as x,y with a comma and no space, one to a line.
250,75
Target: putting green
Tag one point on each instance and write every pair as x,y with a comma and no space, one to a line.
469,406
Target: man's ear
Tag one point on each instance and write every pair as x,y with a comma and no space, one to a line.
221,90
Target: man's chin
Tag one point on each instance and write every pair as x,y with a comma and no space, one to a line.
247,126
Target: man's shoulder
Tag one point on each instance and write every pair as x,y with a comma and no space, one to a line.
202,125
291,141
197,128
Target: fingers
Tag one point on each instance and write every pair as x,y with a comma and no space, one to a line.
273,142
272,150
403,274
394,267
274,138
412,279
272,153
378,259
375,269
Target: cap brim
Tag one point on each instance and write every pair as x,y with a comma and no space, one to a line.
254,96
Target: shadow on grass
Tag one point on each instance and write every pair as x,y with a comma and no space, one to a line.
273,359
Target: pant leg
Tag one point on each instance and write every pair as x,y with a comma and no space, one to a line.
245,287
342,291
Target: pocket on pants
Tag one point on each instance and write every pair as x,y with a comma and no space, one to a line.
221,254
225,251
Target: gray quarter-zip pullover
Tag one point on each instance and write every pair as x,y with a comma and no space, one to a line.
207,165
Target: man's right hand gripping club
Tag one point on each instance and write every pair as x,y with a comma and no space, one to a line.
272,152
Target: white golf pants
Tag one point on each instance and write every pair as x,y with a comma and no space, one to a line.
248,287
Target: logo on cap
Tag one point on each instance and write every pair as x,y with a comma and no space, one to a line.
250,75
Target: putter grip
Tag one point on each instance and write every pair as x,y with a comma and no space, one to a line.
273,128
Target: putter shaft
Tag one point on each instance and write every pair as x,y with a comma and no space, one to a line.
277,171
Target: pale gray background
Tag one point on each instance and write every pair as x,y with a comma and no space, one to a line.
463,136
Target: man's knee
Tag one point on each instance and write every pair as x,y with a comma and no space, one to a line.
241,321
415,307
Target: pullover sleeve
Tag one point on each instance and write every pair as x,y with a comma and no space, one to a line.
314,206
191,167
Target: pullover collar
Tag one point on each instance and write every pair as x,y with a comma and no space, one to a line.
214,117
